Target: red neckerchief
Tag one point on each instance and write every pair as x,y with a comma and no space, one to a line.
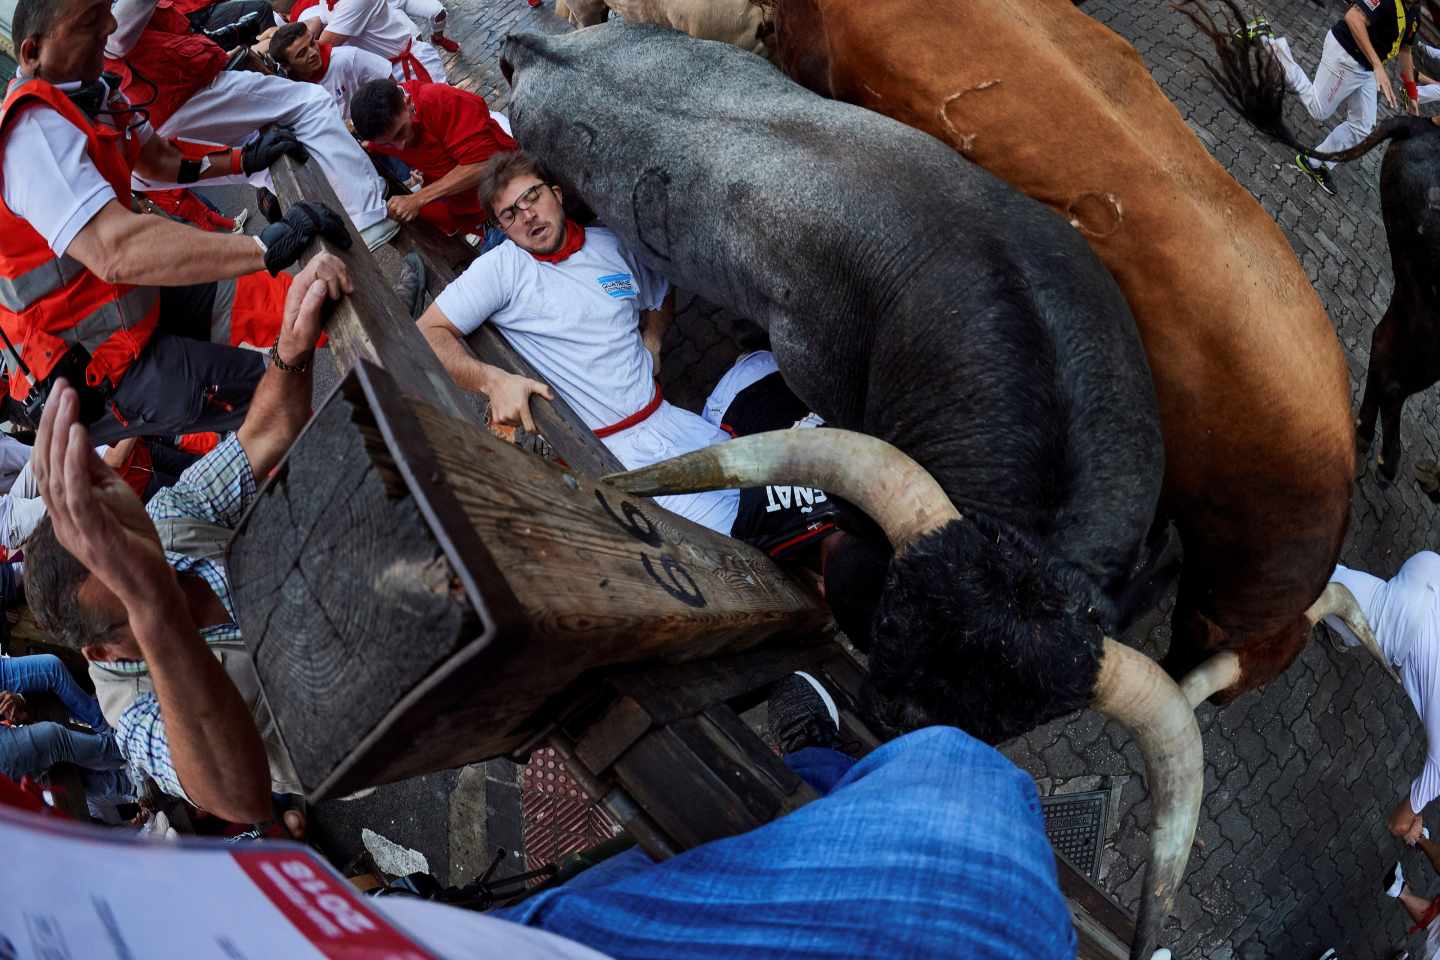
325,51
574,240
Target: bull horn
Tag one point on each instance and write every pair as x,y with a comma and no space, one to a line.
1135,692
1337,600
1212,676
892,489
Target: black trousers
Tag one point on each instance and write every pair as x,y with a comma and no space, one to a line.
227,12
182,383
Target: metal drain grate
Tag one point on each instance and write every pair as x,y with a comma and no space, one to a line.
1075,824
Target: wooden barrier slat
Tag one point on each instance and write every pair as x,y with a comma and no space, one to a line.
445,259
419,594
370,323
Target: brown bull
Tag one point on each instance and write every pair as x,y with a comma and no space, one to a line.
1253,389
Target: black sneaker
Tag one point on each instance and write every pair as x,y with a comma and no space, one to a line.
1394,881
802,714
1320,174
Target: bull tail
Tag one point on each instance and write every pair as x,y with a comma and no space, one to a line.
1252,81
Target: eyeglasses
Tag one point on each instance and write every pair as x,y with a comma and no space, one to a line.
505,217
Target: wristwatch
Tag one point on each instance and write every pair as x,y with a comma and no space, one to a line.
300,367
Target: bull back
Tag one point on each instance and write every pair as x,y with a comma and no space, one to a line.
907,293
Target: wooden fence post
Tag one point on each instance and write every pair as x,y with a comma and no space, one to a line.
418,594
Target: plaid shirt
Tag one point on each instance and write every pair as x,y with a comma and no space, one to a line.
216,489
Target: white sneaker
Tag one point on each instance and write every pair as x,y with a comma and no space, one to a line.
379,233
1395,882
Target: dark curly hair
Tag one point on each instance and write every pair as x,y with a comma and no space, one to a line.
52,578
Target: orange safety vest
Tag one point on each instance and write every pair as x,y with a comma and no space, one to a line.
49,303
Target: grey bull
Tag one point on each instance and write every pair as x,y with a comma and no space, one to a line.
911,296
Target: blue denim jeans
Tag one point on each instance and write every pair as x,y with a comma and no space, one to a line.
44,673
34,748
931,846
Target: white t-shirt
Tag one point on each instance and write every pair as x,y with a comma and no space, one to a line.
131,19
48,178
1404,614
350,66
578,323
371,25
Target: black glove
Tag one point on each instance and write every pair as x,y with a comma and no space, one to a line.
242,33
272,144
286,240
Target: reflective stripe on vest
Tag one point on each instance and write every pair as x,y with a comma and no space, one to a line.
50,303
100,324
19,293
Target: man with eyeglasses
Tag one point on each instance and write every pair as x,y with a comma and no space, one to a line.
590,317
443,132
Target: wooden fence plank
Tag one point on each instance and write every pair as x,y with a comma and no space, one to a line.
371,323
419,594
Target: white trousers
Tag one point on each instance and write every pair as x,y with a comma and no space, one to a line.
238,102
1339,83
424,11
670,432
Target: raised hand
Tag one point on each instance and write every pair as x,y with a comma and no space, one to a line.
97,517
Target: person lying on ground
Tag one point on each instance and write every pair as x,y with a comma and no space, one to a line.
377,26
445,134
1404,614
590,317
183,80
340,70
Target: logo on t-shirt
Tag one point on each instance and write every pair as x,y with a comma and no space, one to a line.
621,286
1373,4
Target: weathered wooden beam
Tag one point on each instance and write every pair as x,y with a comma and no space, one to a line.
445,259
1104,929
418,594
371,323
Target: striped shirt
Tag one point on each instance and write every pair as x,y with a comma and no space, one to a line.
217,489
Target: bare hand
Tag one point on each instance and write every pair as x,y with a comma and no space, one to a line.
97,517
510,400
405,208
1383,79
1412,836
324,277
116,457
13,708
1403,821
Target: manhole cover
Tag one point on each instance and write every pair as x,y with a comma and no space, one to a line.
1075,824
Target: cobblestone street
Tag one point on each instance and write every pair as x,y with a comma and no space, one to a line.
1292,843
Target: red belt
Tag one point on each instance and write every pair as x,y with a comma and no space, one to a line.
411,68
639,416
